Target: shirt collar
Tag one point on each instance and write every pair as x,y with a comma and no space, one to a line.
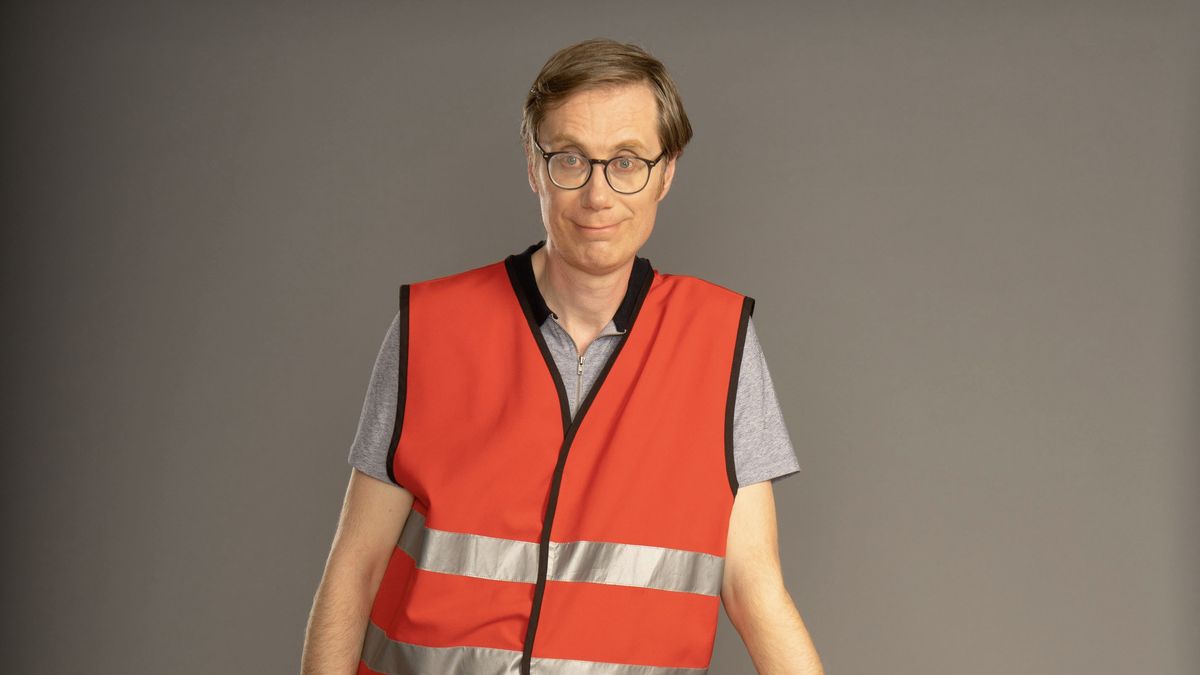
527,286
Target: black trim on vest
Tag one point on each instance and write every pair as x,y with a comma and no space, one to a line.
401,383
642,270
520,274
731,399
514,269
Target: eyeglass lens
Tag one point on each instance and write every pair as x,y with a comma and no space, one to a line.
625,174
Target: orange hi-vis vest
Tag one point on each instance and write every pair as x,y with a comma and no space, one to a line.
538,543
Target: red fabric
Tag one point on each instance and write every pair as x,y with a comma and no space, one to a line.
624,624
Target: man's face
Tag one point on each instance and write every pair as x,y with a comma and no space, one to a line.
595,228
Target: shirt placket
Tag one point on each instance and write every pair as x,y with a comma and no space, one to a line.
610,329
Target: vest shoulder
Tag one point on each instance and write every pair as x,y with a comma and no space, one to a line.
699,286
467,277
444,296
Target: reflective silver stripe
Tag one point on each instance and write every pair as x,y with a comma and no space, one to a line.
393,657
573,667
669,569
385,655
600,562
470,555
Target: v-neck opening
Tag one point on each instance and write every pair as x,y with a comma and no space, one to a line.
526,284
533,305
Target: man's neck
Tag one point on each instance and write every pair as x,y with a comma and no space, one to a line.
583,302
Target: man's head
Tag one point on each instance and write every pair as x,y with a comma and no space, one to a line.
602,99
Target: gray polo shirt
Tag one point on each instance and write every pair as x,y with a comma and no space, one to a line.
762,449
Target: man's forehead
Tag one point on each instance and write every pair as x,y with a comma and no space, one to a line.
604,119
624,141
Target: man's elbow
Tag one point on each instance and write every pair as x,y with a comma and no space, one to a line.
755,595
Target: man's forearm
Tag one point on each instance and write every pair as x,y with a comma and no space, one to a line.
774,634
334,638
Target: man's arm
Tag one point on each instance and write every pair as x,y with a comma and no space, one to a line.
373,514
753,591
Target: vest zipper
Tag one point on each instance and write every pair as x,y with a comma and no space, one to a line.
579,380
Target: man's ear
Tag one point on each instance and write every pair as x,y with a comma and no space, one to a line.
668,177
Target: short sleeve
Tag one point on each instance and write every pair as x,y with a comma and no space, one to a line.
369,451
762,448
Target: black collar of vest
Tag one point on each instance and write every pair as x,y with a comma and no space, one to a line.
527,285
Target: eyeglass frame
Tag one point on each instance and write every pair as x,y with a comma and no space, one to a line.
650,164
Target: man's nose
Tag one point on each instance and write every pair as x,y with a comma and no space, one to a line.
597,193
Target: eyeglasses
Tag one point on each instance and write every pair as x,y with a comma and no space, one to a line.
627,174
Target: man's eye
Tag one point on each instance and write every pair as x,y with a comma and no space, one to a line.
625,163
571,160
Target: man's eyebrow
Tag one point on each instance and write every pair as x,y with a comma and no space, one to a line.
627,143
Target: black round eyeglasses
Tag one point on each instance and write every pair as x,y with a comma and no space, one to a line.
627,174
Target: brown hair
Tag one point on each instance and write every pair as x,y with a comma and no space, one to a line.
601,62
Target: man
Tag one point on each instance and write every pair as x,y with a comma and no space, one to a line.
547,469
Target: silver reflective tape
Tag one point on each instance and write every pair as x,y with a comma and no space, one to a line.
573,667
668,569
471,555
393,657
413,535
385,655
599,562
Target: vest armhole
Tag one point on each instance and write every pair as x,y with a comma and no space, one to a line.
731,397
401,383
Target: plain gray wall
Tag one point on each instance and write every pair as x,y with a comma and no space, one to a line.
971,229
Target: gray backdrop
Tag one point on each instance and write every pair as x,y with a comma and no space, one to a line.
971,230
